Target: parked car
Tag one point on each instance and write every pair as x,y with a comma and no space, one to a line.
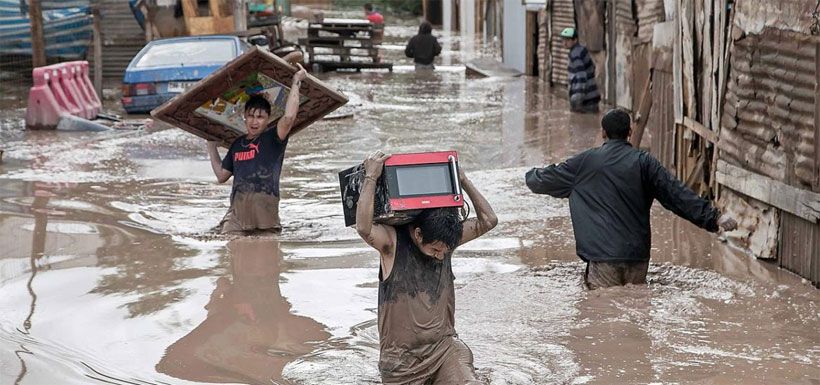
167,67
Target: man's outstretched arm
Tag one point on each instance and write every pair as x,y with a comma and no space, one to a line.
685,203
556,180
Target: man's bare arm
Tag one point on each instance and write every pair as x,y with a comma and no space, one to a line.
222,175
486,219
285,123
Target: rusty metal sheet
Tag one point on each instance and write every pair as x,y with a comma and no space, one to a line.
800,247
768,119
590,16
662,119
752,16
650,12
212,108
662,41
625,30
562,16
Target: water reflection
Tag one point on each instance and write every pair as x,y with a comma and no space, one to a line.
249,334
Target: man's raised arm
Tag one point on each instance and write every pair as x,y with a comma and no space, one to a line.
377,236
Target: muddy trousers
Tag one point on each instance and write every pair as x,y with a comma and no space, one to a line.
607,274
251,212
457,367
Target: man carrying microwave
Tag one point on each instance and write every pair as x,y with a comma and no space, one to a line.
611,189
417,337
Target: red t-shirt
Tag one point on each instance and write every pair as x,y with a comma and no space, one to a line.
375,18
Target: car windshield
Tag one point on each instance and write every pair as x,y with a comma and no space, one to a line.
188,53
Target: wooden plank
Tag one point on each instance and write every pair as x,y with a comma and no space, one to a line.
373,50
701,130
717,63
706,92
688,58
642,113
98,58
677,72
240,15
803,203
816,182
333,65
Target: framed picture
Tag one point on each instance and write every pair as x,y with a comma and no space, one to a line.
213,108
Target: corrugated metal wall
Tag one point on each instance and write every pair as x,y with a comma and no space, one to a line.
768,127
662,119
650,12
768,120
625,27
562,14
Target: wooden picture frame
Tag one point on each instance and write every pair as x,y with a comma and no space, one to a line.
196,109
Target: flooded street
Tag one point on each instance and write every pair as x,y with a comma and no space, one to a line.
110,272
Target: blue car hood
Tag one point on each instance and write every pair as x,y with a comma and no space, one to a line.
166,74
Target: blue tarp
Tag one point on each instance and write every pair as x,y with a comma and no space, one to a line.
67,28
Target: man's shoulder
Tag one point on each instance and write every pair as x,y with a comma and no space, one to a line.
272,134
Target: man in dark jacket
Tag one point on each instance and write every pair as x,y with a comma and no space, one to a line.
424,47
611,189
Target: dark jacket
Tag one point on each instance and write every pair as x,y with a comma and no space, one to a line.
423,48
610,190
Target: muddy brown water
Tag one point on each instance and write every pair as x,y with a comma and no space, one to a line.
109,272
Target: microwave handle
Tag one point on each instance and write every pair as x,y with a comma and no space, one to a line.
453,165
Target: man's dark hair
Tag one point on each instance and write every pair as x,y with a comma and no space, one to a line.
616,123
257,103
368,7
425,28
442,224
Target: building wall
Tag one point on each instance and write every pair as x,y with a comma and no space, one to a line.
562,15
768,127
514,35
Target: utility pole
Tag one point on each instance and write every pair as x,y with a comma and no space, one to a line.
38,46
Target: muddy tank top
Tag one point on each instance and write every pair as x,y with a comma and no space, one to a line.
416,312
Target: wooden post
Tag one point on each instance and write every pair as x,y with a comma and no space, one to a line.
425,8
644,106
98,59
38,44
240,15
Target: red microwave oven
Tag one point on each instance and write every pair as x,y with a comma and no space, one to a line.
409,184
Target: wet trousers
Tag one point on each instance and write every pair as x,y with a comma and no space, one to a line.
456,369
606,274
252,212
